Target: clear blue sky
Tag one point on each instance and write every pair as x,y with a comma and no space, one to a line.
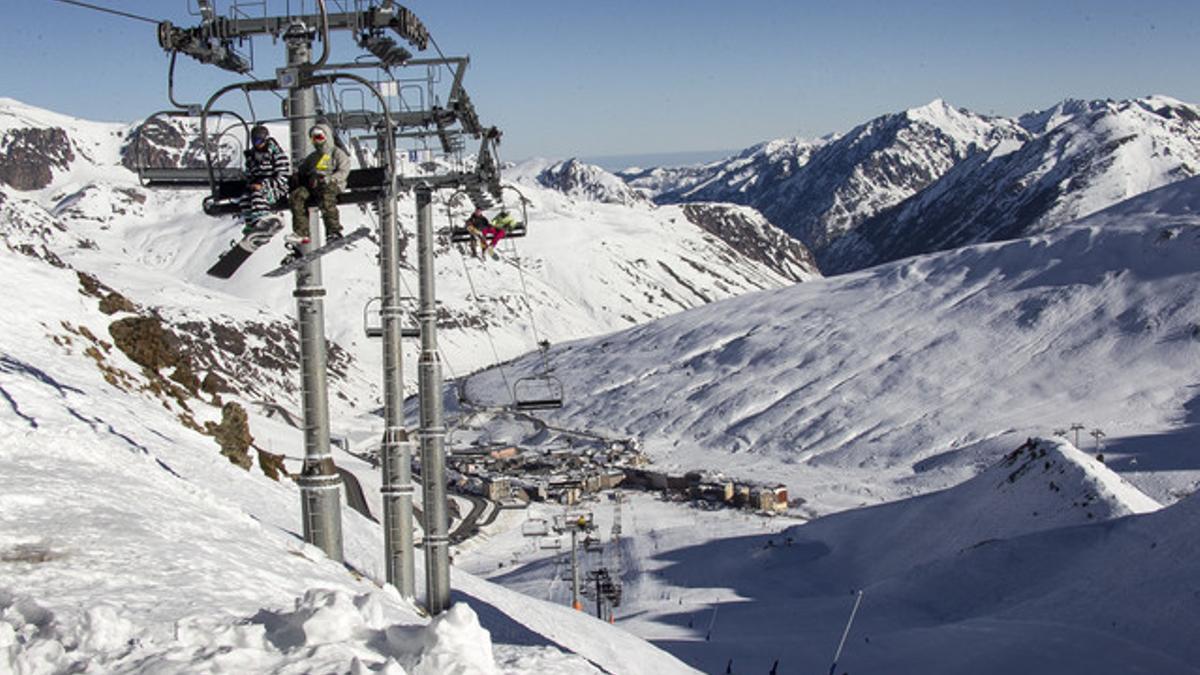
613,77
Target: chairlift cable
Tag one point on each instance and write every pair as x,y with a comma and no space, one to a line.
441,352
487,331
529,306
115,12
408,291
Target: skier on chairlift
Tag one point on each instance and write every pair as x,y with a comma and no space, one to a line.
267,172
322,175
475,225
495,231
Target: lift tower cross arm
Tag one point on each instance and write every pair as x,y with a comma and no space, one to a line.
194,41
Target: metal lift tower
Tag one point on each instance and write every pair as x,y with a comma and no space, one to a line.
214,42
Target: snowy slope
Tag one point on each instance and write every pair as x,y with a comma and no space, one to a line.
912,376
1021,568
1084,157
130,544
129,541
1040,485
586,268
1057,592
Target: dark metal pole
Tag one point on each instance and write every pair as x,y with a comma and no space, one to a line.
432,432
320,484
575,604
599,600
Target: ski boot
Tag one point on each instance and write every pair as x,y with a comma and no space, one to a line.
293,243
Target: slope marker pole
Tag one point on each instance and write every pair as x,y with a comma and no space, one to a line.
838,654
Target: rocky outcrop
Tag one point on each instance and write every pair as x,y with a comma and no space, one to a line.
28,157
233,434
171,143
749,233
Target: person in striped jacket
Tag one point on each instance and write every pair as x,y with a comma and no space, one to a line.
267,171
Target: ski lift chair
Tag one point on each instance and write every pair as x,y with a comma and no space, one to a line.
181,177
535,527
460,234
362,186
373,321
537,392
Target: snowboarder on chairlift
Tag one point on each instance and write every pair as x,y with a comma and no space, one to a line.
475,225
501,225
267,172
322,175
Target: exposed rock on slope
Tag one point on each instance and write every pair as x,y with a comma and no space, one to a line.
749,233
29,156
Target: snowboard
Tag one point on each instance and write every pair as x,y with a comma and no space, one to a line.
312,255
231,260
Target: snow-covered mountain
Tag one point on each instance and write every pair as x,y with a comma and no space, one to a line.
134,391
587,181
936,177
912,406
818,191
1083,157
146,412
913,375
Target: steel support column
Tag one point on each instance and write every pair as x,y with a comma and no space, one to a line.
397,450
432,432
320,484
